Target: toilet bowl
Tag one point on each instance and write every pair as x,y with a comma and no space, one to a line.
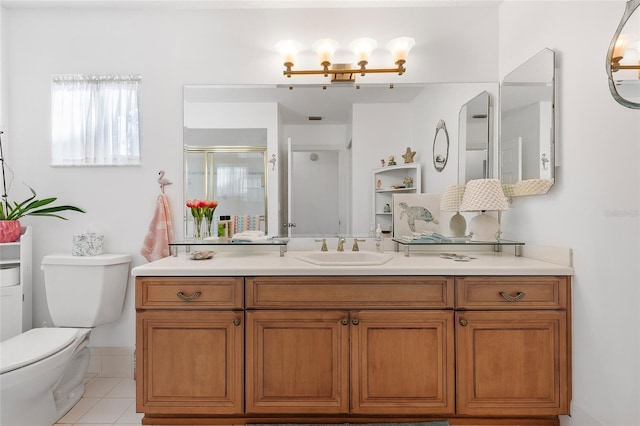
42,370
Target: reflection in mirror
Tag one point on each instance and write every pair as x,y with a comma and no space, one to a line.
527,136
623,58
441,146
355,127
474,130
232,175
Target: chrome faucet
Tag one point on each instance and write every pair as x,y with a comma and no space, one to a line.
324,244
355,244
341,241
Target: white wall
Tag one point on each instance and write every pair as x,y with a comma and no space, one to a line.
594,206
171,48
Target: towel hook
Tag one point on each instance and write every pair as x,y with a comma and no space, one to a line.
163,181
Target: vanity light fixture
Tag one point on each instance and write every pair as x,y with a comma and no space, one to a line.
345,73
482,195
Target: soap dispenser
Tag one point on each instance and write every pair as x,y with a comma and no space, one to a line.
379,240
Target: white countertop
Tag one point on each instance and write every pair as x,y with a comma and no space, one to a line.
252,263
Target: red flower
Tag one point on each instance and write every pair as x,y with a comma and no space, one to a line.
202,208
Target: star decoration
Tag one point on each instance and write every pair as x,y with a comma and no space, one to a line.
408,156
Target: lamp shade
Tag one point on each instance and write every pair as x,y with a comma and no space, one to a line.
362,48
325,49
400,47
288,49
484,195
452,198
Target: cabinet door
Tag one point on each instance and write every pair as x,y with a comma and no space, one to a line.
402,362
297,362
512,363
190,362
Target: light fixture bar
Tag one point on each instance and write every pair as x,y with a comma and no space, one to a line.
400,70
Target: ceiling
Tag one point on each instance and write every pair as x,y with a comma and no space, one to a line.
242,4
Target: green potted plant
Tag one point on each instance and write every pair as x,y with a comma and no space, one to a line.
11,212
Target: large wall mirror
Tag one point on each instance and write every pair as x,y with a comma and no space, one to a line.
623,58
527,133
322,145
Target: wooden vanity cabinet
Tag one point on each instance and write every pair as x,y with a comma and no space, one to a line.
190,345
347,349
513,346
356,358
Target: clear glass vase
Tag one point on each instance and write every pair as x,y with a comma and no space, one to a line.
197,227
206,232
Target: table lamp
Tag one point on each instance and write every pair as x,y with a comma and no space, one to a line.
451,200
482,195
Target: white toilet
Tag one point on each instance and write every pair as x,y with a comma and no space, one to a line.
42,370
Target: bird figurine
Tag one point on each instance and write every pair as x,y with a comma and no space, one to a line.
163,181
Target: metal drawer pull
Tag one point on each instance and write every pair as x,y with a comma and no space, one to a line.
506,296
191,298
237,322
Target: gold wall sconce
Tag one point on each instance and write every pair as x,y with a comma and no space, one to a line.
345,73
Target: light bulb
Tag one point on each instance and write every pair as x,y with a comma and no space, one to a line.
399,48
325,49
288,49
362,47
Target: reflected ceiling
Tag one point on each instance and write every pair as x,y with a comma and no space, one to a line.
297,105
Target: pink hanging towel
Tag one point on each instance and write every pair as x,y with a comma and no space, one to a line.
156,243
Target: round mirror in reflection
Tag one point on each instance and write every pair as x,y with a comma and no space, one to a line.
441,146
623,58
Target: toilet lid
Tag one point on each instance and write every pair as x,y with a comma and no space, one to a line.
34,345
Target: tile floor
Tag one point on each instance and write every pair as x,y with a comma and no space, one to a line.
106,401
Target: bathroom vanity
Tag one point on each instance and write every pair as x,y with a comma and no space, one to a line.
258,338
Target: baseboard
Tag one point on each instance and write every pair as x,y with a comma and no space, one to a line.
111,361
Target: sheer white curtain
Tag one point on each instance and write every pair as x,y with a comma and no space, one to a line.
231,181
95,120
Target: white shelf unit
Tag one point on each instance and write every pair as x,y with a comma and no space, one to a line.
383,192
17,299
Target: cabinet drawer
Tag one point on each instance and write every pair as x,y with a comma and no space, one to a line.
189,293
350,292
523,292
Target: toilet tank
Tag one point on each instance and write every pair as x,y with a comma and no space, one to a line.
85,291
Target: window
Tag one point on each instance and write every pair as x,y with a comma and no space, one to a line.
95,120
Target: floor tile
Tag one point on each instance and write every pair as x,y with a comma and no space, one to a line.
130,416
107,410
98,387
125,389
78,410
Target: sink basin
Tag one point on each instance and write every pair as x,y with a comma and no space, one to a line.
347,258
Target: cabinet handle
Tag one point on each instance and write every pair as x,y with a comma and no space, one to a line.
506,296
236,321
355,321
344,321
464,322
191,298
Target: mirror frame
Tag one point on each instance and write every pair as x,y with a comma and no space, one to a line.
631,7
440,161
